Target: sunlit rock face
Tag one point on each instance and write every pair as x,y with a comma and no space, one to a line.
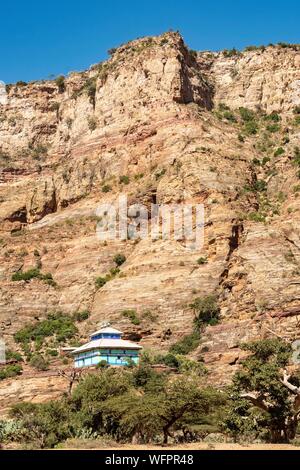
152,113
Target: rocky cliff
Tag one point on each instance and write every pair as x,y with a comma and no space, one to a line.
169,120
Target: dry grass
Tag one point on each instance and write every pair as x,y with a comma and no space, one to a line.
96,445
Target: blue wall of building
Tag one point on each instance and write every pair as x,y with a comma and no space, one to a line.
113,357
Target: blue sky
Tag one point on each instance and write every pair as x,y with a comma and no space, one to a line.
41,38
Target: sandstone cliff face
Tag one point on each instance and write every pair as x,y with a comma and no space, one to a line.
151,113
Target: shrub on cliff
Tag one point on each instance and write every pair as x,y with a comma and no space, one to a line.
13,356
60,83
39,362
81,316
132,316
27,275
90,88
100,282
206,311
119,259
33,273
92,123
124,179
10,371
187,344
57,324
246,114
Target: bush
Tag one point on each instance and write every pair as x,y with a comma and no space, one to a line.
13,355
27,275
102,365
119,259
10,371
296,159
272,117
106,188
231,52
206,310
44,424
34,273
273,128
256,217
278,152
250,128
57,324
229,116
100,282
124,179
112,273
92,123
132,316
202,260
52,352
81,316
246,114
39,362
187,344
149,316
90,88
60,83
169,360
11,431
260,186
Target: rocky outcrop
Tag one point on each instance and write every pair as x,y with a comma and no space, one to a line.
151,113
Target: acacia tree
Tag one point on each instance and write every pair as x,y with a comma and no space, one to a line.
155,411
264,384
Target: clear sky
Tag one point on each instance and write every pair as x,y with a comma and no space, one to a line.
39,38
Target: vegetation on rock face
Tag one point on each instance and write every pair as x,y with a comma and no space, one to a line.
206,311
106,188
13,355
187,344
92,123
34,273
119,259
132,316
124,179
10,371
60,82
57,324
81,315
39,362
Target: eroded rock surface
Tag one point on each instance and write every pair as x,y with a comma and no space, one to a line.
151,113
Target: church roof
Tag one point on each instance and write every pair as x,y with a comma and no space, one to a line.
106,343
107,329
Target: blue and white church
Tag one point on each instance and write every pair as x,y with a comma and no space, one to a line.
106,345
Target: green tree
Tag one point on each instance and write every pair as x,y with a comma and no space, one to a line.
143,417
89,396
44,424
264,384
206,310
